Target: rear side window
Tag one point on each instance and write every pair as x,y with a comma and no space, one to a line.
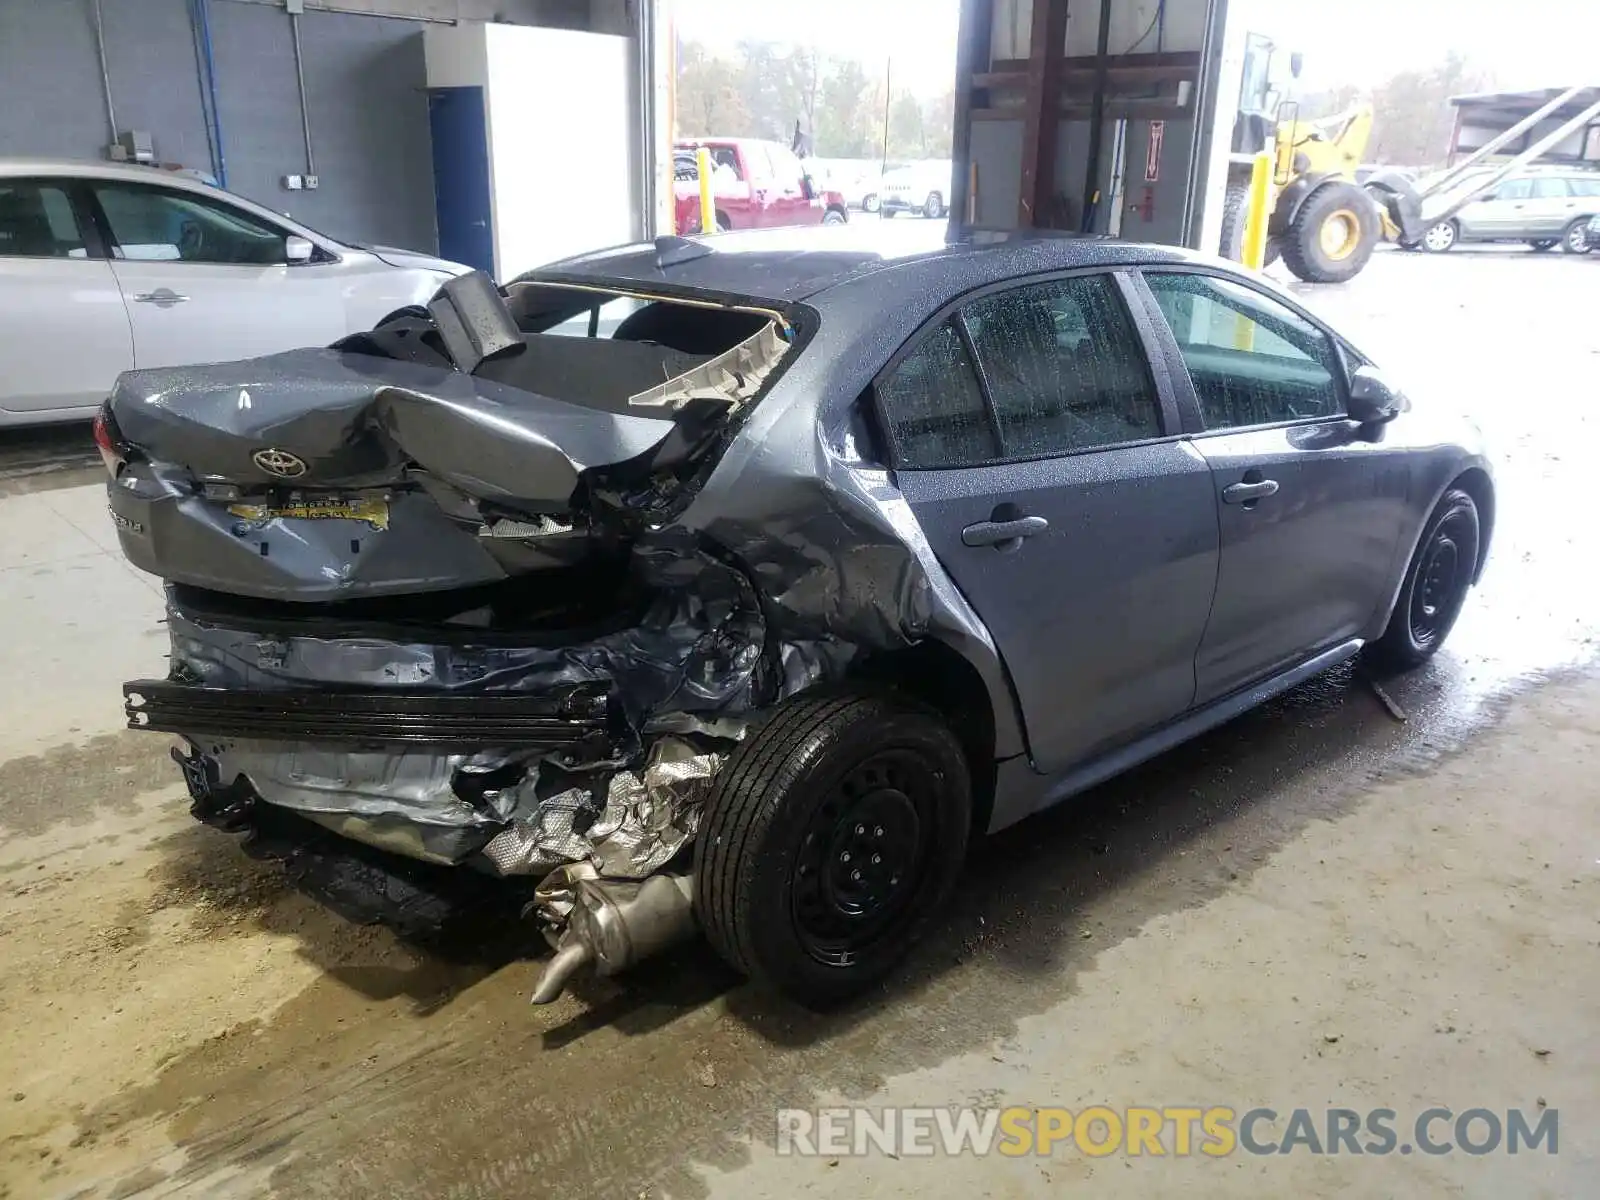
1065,367
1584,187
934,406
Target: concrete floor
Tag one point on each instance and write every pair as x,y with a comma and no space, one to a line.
1318,905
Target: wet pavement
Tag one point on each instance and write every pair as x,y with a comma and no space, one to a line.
307,1056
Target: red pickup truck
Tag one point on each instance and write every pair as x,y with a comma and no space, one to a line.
755,185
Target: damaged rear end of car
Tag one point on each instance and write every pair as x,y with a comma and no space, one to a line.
428,588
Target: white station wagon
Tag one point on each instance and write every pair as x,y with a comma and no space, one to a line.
107,266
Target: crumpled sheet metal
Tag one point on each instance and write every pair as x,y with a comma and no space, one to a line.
650,816
544,838
402,800
647,818
696,650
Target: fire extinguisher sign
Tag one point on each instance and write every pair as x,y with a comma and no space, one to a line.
1152,158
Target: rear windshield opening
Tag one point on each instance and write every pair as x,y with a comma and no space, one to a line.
614,351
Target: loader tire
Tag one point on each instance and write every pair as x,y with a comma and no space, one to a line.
1332,237
831,837
1235,210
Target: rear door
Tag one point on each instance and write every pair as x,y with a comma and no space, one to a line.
206,281
1550,206
790,204
64,332
1047,471
1310,505
1500,214
763,209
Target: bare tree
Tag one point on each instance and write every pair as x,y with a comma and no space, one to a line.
1414,115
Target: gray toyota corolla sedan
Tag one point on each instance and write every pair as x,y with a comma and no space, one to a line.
735,585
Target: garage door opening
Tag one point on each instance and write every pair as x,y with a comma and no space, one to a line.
846,116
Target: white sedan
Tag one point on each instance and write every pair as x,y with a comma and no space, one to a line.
106,267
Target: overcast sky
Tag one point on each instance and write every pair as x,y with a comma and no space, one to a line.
1527,43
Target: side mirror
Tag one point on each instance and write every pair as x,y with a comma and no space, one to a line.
297,249
1373,399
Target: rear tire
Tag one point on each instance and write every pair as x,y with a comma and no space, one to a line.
835,216
933,206
1436,584
832,835
1333,235
1575,237
870,203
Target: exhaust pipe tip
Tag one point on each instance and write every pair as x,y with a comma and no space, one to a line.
571,958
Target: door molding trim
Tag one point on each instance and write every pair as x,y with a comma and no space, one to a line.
1021,791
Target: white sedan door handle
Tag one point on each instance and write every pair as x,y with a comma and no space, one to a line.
164,297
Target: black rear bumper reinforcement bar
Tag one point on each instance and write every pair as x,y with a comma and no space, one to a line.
571,718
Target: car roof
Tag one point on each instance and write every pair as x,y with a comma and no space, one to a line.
78,168
784,266
89,168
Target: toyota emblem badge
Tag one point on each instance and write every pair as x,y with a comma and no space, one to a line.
280,463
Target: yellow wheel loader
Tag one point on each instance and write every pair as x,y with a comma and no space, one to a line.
1321,222
1324,224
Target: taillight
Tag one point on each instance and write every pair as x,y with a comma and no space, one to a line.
108,441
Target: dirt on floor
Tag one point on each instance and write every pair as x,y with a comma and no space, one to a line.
176,1017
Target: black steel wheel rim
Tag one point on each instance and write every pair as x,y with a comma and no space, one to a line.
1441,584
864,856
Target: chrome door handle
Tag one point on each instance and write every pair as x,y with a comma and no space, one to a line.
163,297
1003,534
1248,493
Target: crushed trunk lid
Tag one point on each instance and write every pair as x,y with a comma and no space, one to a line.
445,449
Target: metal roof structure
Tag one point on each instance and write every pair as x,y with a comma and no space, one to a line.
1482,116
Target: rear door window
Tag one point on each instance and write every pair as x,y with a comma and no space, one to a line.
1065,367
37,221
1033,372
1549,189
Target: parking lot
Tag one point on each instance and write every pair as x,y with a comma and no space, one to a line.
1368,894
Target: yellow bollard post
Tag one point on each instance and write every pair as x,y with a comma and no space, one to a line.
1255,222
708,208
1255,240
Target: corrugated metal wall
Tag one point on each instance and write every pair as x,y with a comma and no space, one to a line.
364,80
51,101
366,90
